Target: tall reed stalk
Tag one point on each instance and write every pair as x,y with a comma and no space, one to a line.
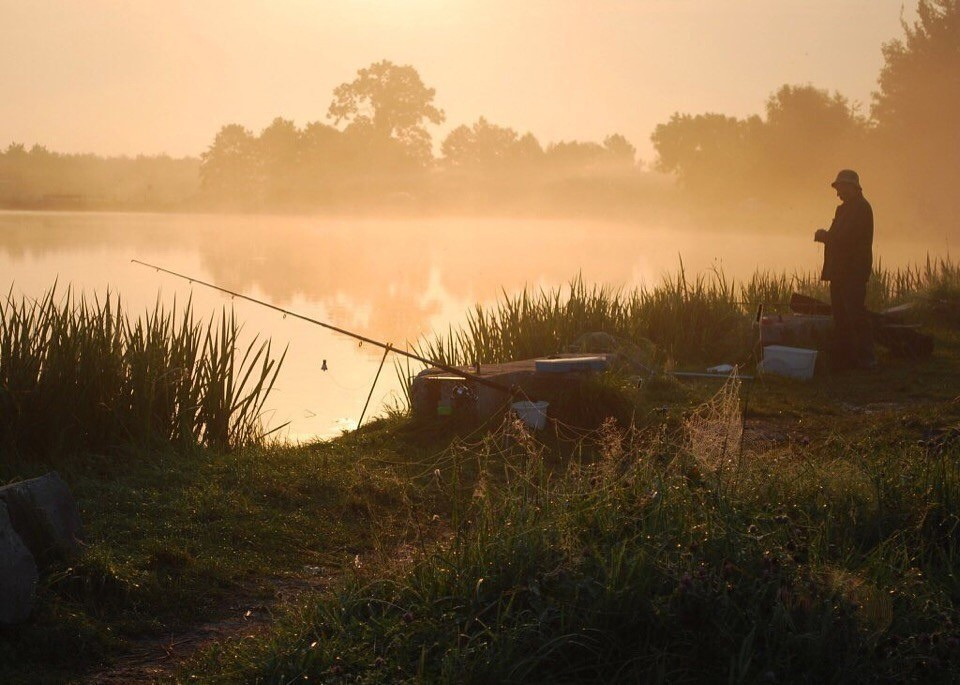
705,318
79,375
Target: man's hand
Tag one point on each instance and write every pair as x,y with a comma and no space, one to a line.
820,236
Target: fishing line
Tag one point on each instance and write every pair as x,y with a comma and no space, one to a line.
356,336
336,381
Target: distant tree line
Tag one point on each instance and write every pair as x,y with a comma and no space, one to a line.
37,178
378,150
907,147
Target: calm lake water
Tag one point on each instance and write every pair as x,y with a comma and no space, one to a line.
390,280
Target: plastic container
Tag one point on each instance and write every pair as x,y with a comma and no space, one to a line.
792,362
534,414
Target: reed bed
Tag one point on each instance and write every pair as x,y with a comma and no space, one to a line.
705,318
81,375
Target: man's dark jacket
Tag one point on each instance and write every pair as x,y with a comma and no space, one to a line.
848,247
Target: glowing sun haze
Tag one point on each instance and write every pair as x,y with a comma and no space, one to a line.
150,77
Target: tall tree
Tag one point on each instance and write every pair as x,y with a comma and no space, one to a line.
483,145
16,151
387,101
710,153
230,168
620,151
322,160
529,149
808,134
279,151
916,107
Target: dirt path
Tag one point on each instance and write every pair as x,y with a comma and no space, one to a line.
156,660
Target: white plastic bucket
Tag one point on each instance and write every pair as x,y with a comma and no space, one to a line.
534,414
792,362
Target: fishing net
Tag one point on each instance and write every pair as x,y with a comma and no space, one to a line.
712,434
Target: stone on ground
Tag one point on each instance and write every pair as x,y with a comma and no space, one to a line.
18,574
46,516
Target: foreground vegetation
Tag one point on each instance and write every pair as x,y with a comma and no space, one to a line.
642,558
84,376
771,531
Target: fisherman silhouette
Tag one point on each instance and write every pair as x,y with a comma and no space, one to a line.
847,261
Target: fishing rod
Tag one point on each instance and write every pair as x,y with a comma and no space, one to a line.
388,347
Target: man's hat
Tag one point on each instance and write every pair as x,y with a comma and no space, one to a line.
848,176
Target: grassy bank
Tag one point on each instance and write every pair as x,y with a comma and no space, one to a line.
814,539
822,549
179,537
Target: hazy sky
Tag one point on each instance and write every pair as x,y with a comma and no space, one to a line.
151,76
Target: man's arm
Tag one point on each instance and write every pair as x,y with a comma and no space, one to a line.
823,235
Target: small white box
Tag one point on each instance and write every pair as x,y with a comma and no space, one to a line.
792,362
534,414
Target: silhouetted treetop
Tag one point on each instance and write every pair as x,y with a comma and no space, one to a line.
280,142
620,151
705,149
230,168
922,69
388,101
481,145
16,150
807,134
916,110
812,111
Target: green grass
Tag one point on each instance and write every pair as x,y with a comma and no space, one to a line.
175,536
630,557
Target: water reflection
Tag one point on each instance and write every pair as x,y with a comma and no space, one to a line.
390,280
